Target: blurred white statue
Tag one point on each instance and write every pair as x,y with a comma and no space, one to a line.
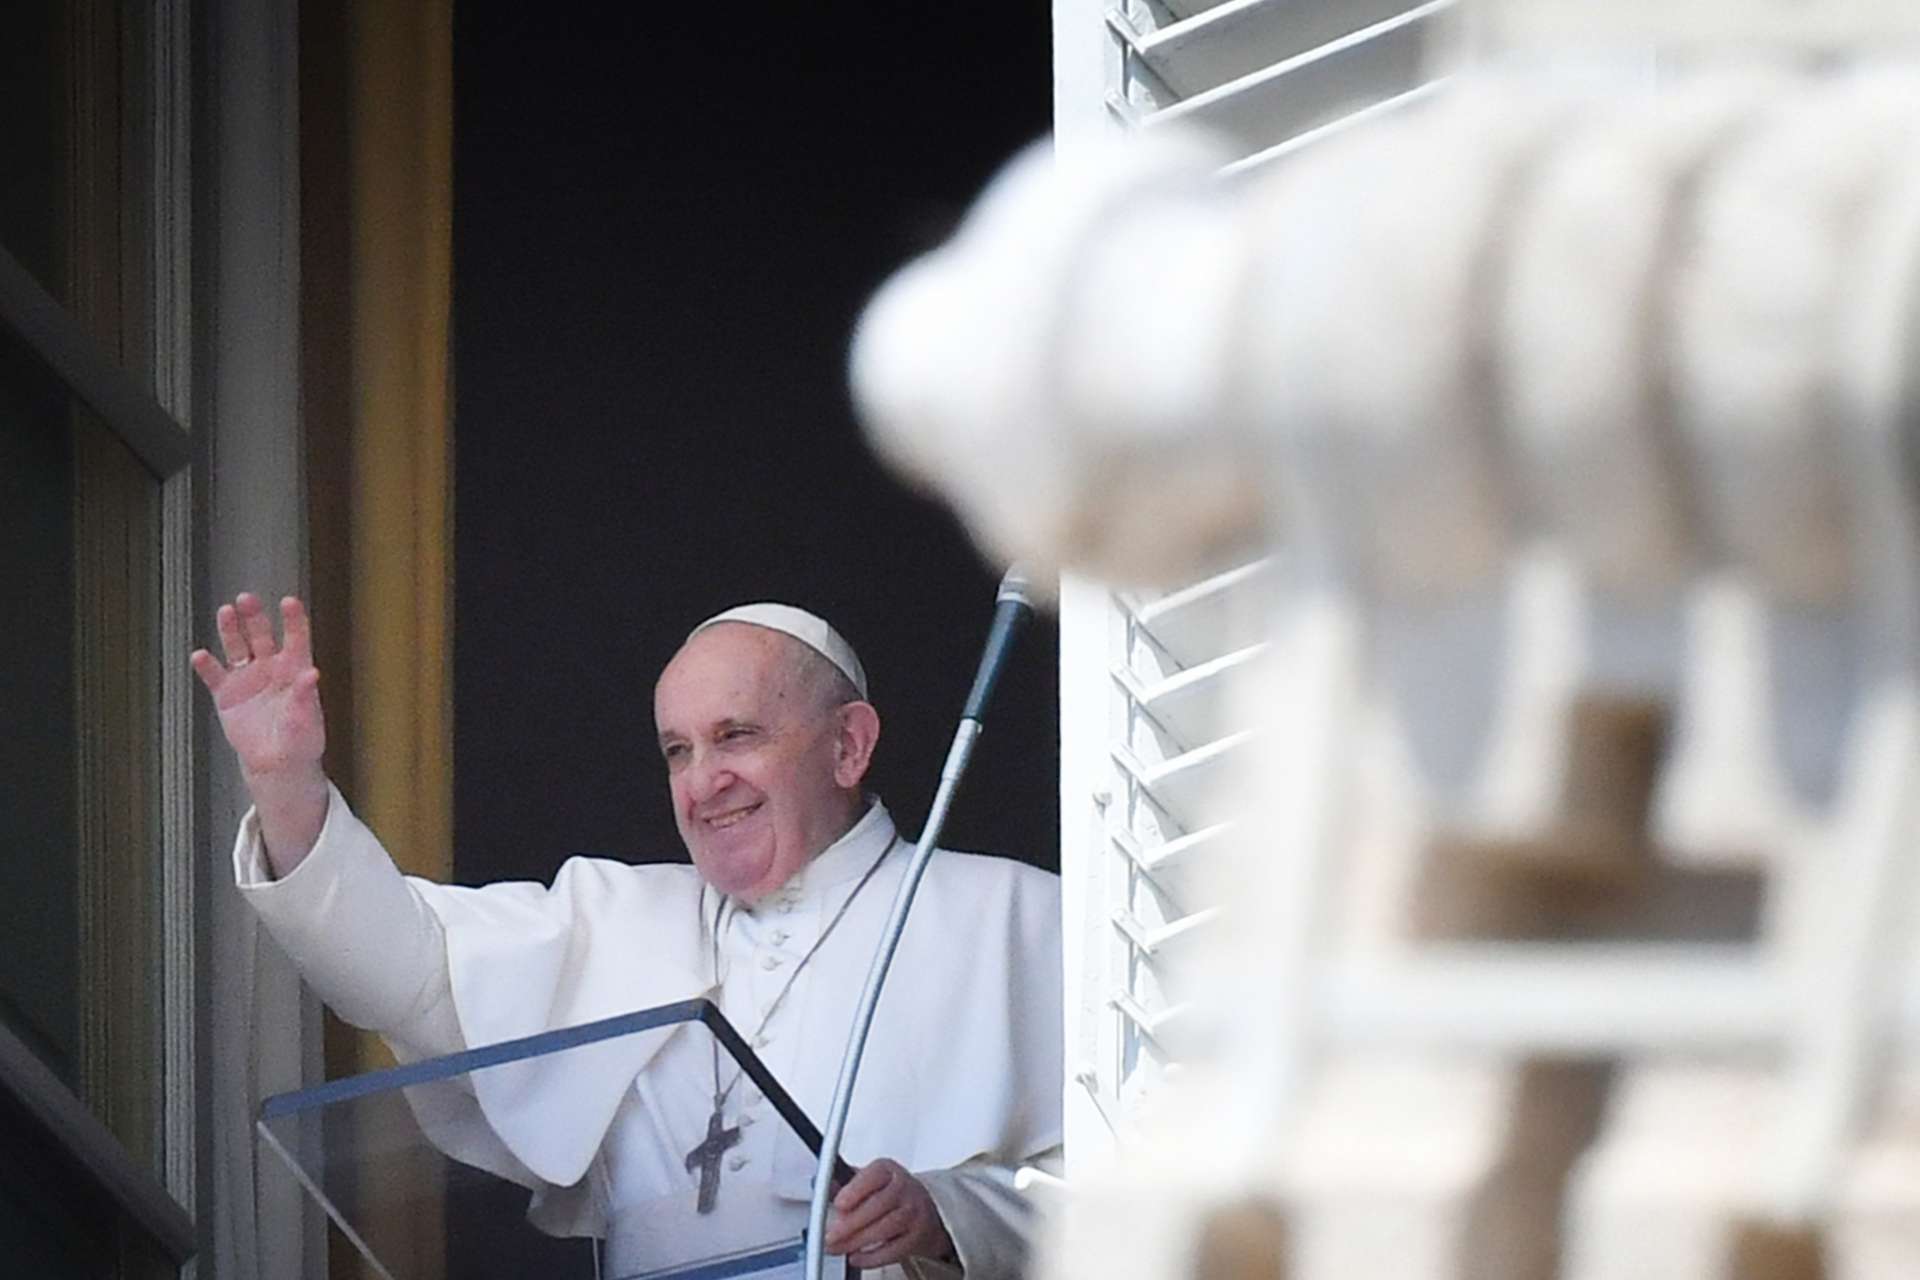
1573,412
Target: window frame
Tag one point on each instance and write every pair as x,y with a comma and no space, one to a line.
158,1207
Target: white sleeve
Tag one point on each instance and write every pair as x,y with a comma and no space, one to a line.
988,1220
360,936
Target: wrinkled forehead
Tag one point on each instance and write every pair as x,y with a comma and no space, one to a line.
729,670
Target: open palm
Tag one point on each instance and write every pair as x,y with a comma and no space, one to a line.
267,695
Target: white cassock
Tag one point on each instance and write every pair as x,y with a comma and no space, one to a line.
961,1083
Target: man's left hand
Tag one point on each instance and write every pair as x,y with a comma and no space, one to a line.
885,1215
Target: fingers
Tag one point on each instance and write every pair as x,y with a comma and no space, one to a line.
883,1215
212,674
849,1231
887,1241
246,635
233,642
298,632
867,1180
258,626
861,1203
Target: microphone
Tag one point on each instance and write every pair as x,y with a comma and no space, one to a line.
1012,608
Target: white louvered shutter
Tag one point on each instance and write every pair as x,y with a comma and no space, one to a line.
1146,734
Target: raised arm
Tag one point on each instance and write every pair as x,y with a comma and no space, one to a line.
268,698
361,937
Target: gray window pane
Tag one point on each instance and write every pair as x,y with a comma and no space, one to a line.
33,146
39,824
79,921
76,134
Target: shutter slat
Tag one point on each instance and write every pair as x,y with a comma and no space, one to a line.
1153,1024
1261,161
1199,623
1188,787
1161,858
1242,37
1271,105
1192,704
1182,9
1149,940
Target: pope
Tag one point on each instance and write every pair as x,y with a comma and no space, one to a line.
765,727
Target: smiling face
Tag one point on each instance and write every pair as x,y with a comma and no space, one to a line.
764,757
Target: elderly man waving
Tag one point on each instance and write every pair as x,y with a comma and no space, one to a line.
767,734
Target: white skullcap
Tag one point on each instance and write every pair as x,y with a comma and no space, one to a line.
809,629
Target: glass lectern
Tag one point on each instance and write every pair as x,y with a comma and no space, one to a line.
371,1152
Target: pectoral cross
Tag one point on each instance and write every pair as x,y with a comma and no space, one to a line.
706,1158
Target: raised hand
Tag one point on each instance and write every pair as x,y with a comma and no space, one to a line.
885,1215
268,697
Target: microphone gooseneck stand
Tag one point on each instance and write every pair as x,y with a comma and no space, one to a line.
1013,606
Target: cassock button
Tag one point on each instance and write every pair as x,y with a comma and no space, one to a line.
745,1122
762,1041
780,936
737,1163
770,963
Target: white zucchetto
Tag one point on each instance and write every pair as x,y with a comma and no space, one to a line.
809,629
